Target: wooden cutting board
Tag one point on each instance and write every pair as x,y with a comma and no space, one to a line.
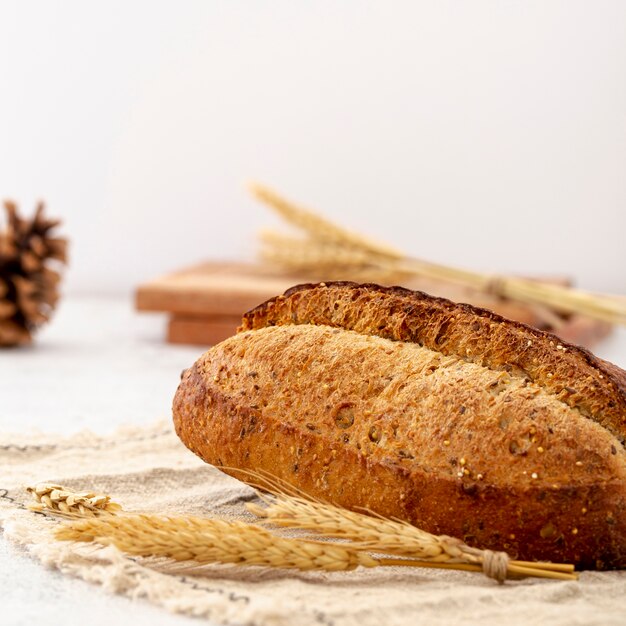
214,288
205,302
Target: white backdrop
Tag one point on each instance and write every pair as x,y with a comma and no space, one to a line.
490,134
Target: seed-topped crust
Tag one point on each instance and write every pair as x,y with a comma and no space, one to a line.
578,378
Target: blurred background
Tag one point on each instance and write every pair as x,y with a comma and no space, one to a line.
485,134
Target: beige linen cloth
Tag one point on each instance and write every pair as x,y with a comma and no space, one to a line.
150,470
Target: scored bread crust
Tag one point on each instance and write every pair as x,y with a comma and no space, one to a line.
580,379
224,416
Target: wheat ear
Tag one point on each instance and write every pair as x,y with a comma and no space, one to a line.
336,262
365,532
212,541
381,535
55,498
299,253
319,227
288,506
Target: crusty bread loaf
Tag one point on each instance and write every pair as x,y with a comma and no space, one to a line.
442,414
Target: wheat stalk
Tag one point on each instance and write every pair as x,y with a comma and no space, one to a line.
334,260
381,535
319,227
326,239
340,263
288,506
206,541
364,531
55,498
203,541
306,253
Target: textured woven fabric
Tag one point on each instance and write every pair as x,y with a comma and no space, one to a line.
150,470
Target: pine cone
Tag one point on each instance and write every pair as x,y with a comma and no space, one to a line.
28,286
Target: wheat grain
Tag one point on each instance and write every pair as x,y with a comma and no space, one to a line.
318,227
385,536
288,506
305,253
327,260
58,499
206,541
365,532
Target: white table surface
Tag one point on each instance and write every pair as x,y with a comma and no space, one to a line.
97,366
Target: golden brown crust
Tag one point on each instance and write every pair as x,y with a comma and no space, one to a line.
577,377
466,447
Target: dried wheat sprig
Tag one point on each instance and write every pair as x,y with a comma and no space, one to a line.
604,307
58,499
300,253
563,299
364,531
311,256
206,541
386,536
317,226
289,506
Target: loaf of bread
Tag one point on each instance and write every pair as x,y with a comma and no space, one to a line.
444,415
